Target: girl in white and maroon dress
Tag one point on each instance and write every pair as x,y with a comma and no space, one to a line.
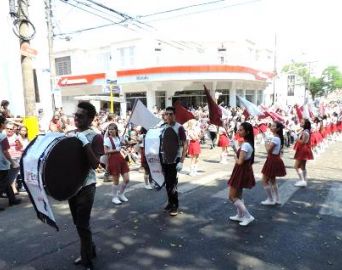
223,142
242,175
117,165
274,165
194,149
303,153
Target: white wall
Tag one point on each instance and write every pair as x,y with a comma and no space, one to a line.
11,85
10,69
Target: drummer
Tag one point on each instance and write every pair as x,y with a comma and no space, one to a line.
82,203
171,169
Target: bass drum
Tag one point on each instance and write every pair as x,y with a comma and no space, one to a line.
62,164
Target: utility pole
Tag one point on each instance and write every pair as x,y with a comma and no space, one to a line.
26,61
305,92
274,68
49,15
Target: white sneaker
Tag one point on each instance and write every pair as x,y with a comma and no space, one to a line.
236,218
277,201
246,220
268,202
301,183
192,173
116,200
148,186
122,197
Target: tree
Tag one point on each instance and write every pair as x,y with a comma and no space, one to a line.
316,87
331,79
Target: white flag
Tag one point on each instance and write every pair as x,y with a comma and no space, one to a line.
250,107
141,116
226,115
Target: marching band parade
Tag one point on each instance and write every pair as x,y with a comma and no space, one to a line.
176,135
117,144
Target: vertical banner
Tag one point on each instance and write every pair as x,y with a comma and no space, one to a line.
152,149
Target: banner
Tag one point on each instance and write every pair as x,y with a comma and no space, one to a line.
152,149
141,116
215,113
182,114
31,170
299,111
251,108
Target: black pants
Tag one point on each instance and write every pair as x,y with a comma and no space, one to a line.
80,207
213,136
5,186
171,182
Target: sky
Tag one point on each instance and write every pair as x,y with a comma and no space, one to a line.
306,31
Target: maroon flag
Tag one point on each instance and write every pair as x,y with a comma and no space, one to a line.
299,111
215,113
182,114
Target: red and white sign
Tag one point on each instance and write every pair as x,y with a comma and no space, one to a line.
87,79
26,50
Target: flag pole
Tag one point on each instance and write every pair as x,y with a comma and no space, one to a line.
111,100
135,103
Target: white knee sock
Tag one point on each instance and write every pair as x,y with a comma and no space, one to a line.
242,208
300,174
268,192
304,175
123,187
115,189
275,192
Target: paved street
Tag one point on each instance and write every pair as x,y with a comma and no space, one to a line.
304,233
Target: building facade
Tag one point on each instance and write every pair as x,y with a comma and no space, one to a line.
158,72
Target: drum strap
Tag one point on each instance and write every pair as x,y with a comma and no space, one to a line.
112,142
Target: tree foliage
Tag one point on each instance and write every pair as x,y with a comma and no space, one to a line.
330,80
316,87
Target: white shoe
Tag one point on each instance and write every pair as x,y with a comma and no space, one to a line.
246,220
268,202
277,202
301,183
192,173
236,218
148,186
122,197
116,200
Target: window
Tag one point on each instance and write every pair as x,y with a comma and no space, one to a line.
260,97
250,95
160,99
126,55
63,65
131,97
224,97
291,81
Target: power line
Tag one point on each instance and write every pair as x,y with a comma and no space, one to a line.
206,10
124,15
203,11
97,9
85,10
180,8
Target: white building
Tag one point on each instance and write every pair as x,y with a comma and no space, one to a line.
160,71
11,84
